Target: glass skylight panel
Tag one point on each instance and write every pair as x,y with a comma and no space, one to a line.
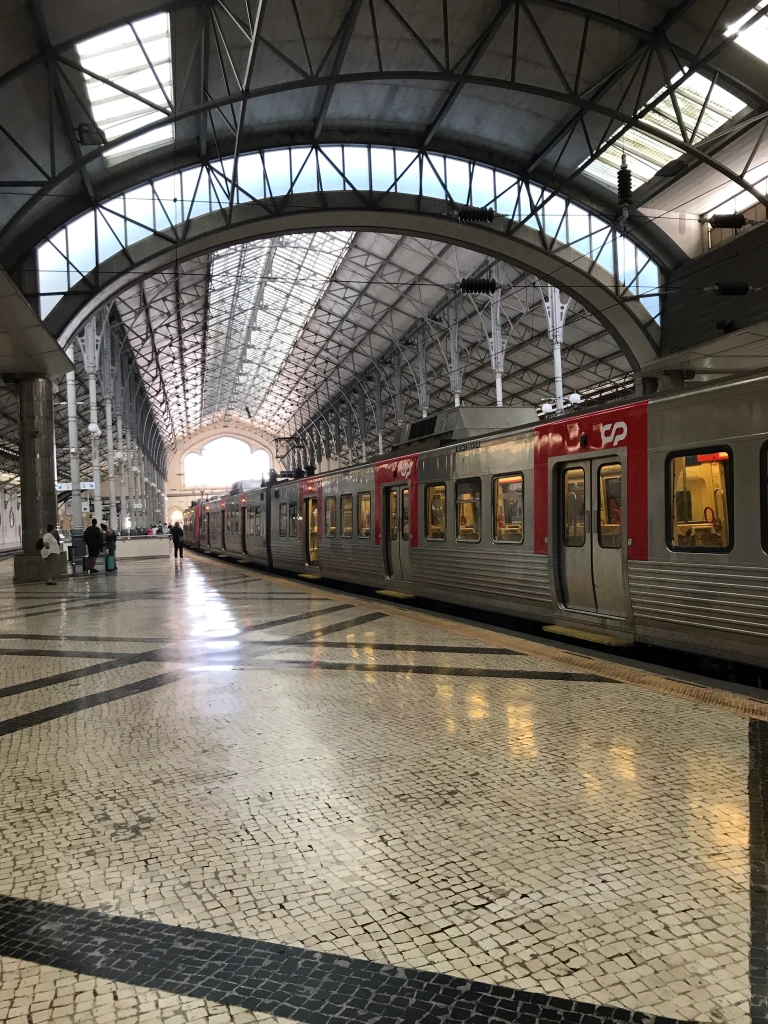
703,107
137,58
285,280
755,36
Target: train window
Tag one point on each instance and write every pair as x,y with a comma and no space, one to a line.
330,516
573,507
257,521
364,514
346,515
434,501
508,508
405,513
293,518
698,499
468,509
283,519
392,514
250,521
609,525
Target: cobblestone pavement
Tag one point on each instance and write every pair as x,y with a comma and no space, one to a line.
232,797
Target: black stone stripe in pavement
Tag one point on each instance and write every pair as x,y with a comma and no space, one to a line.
447,670
168,654
90,700
295,618
430,648
85,638
333,627
758,864
306,986
107,663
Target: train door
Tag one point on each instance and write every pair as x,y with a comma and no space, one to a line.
397,502
224,529
243,518
311,532
591,555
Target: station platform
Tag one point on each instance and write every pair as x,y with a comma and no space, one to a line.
234,797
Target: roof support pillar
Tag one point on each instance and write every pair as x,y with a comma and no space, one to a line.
556,310
497,346
107,390
90,345
361,423
74,444
397,384
457,370
378,411
423,386
348,428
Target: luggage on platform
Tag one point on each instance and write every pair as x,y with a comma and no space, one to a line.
110,563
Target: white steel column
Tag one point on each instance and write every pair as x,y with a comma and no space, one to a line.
90,345
107,385
361,424
457,370
120,451
556,311
397,384
74,445
348,429
496,345
130,462
379,412
423,386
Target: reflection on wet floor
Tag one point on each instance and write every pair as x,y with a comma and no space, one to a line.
251,758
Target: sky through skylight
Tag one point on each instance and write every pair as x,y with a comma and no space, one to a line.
137,58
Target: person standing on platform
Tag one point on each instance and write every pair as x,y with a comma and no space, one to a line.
110,539
50,547
177,532
94,541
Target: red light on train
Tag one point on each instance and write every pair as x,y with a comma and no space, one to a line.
713,457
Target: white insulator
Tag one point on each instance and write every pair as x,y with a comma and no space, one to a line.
547,407
93,428
575,398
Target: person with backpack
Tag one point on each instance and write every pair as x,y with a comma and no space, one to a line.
49,545
94,541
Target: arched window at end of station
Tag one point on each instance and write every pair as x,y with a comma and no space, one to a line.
222,462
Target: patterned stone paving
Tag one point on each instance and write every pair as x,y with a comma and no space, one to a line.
469,831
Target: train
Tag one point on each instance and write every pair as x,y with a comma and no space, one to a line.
642,521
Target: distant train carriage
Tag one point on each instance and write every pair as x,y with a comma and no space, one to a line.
646,521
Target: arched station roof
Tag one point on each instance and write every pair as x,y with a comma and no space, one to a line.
138,139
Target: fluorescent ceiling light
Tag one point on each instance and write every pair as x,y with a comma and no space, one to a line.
137,58
261,296
755,36
704,108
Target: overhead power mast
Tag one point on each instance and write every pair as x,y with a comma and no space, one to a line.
556,310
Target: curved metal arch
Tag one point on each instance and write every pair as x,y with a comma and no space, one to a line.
537,230
454,78
582,105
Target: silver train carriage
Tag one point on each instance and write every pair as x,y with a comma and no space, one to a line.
645,521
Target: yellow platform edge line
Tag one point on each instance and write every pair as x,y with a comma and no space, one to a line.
583,634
